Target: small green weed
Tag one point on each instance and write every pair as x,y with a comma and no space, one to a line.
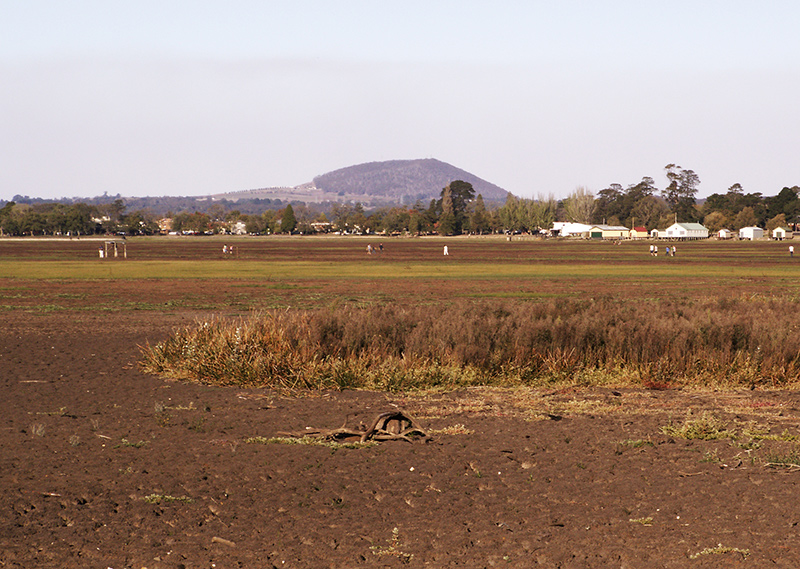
196,425
393,549
648,521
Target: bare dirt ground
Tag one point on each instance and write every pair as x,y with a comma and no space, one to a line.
105,466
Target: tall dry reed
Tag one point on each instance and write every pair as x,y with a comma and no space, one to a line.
729,342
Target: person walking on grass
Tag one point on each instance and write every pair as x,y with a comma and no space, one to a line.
791,250
446,251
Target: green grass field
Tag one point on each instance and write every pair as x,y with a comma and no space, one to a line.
697,264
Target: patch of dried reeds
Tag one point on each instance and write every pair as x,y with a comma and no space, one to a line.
662,344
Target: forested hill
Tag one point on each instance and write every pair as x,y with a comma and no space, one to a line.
403,181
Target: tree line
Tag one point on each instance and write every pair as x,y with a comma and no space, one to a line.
457,211
642,204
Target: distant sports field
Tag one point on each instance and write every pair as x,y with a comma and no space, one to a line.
488,266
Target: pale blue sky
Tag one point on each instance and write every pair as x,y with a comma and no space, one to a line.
197,97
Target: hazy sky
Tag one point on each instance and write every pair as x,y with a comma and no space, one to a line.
174,97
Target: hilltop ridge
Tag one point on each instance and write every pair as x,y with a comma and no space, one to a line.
392,182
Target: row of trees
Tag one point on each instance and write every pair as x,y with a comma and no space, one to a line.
458,210
642,204
74,219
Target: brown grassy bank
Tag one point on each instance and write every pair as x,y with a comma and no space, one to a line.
701,342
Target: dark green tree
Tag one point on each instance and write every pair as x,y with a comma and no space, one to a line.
455,200
6,219
681,191
288,220
79,219
786,202
478,220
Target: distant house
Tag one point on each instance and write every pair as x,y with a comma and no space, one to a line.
725,233
781,233
751,233
638,233
321,226
165,225
685,231
570,229
608,232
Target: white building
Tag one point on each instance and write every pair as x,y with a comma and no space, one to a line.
568,228
725,233
781,233
751,233
608,232
685,231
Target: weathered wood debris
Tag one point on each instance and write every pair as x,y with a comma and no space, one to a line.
388,426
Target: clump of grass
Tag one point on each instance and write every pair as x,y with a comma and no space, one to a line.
789,460
648,521
165,498
637,443
37,429
706,427
458,429
74,440
760,433
307,441
127,443
719,550
62,411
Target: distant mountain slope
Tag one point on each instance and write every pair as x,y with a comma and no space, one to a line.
402,181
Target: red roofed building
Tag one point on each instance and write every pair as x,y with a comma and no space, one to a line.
638,233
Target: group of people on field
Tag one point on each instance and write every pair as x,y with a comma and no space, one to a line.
670,251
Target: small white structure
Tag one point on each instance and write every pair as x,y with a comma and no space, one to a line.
781,233
638,232
725,233
751,233
685,231
568,229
